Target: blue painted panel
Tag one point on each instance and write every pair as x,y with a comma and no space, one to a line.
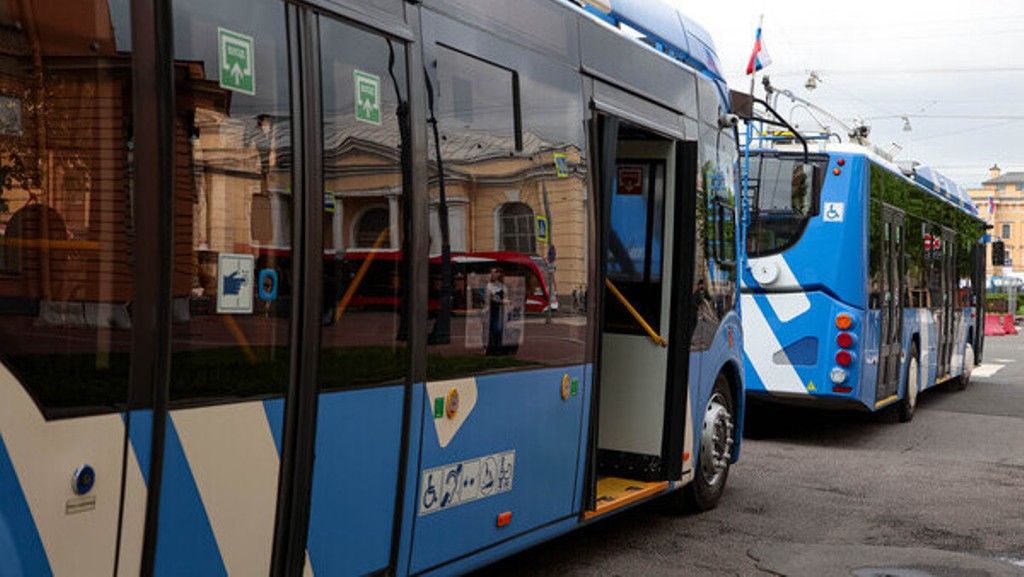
523,411
21,550
185,542
818,322
711,362
412,475
511,547
275,416
355,479
581,457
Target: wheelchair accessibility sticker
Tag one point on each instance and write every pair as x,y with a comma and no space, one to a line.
834,211
453,485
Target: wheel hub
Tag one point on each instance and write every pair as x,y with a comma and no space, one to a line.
716,440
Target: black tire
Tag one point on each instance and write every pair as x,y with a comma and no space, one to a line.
964,380
704,492
908,404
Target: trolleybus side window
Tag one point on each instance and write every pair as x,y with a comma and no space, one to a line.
509,290
365,240
66,220
233,237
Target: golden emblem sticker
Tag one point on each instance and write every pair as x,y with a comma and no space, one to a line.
452,403
566,387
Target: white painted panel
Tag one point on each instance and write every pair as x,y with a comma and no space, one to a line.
632,394
234,461
760,346
45,456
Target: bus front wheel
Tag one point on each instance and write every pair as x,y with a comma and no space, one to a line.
715,452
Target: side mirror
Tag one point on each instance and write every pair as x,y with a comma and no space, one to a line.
742,104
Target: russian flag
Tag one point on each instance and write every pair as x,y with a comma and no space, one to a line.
991,205
759,57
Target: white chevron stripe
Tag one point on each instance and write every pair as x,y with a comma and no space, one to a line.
760,345
231,452
45,455
134,520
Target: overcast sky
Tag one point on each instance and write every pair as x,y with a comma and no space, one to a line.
955,68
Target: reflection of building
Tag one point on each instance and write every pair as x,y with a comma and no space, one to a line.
493,198
65,153
1006,191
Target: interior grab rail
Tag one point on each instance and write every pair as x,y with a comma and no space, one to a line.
636,314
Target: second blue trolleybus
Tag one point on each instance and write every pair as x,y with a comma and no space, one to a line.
864,280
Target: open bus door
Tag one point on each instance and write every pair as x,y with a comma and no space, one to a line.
646,261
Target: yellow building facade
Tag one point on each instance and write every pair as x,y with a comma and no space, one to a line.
1000,202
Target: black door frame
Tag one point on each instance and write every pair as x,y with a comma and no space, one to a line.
605,126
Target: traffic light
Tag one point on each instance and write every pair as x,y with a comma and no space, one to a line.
998,253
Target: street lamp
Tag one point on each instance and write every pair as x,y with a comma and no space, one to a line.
812,81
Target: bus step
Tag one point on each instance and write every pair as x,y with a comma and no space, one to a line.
615,492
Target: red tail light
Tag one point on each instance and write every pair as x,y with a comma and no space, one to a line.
844,358
844,340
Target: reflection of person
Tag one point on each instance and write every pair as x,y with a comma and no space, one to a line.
496,295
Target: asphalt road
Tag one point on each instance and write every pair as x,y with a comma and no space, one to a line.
846,495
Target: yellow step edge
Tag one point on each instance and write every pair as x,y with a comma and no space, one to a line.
615,492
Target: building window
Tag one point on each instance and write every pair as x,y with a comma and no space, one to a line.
1006,231
372,229
516,223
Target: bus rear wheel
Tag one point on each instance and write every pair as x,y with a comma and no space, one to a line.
908,404
715,452
965,377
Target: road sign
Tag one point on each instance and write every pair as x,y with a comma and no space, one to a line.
237,61
367,97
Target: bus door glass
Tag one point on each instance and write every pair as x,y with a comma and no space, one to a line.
950,308
890,279
232,290
364,361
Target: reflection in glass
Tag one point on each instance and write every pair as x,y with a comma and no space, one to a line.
364,324
233,204
66,219
511,292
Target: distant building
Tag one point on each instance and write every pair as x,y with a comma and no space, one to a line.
1000,201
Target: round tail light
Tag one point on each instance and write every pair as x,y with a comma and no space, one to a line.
844,340
844,358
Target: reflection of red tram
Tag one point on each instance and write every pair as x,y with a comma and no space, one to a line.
380,282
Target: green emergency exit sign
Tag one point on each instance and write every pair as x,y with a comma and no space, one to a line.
237,61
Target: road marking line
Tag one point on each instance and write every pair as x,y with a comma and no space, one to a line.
986,370
1004,360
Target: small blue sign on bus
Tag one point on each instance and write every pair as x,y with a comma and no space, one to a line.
268,281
